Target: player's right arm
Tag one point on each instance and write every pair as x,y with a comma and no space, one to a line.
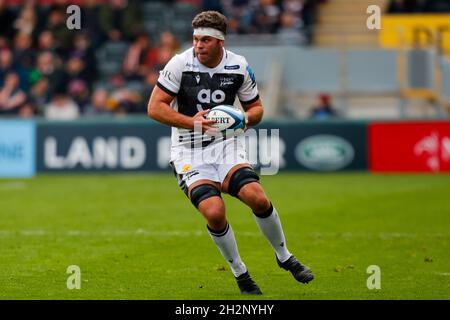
160,110
165,91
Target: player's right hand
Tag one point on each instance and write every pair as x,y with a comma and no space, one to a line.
199,120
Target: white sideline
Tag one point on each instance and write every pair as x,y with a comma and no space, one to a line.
198,233
13,185
109,233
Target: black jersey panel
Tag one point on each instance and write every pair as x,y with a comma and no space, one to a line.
200,91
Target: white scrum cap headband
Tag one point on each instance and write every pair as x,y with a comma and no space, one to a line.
209,32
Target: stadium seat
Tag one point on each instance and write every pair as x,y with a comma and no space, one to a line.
182,28
150,9
110,57
183,10
155,25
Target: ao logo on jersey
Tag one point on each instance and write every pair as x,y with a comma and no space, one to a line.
205,96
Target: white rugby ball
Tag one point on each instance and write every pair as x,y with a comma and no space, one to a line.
227,119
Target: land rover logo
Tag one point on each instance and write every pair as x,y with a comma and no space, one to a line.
324,153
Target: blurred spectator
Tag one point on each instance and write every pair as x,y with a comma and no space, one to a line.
11,96
61,107
240,14
79,92
267,17
233,26
40,95
84,50
303,12
27,110
48,66
24,55
157,57
295,7
46,41
122,99
323,108
7,18
56,22
120,19
4,43
289,31
75,69
27,19
168,40
98,105
90,22
6,64
164,55
138,56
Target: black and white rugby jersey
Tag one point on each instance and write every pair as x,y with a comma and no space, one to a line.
197,87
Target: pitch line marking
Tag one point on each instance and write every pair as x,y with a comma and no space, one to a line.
180,233
11,186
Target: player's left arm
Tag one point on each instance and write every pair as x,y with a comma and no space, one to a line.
249,97
253,113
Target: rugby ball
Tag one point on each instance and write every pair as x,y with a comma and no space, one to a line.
228,119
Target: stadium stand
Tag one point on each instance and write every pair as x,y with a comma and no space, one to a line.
299,50
342,23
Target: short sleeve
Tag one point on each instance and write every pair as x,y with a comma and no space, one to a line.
248,92
170,77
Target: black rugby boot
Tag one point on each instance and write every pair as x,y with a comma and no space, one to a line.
300,272
247,285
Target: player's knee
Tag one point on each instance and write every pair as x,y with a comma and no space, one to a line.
214,213
255,197
240,178
203,192
216,220
260,203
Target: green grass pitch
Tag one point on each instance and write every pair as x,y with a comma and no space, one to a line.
138,237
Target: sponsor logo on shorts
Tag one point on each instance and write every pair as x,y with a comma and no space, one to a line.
186,168
192,173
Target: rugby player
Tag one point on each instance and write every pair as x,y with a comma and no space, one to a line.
192,82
